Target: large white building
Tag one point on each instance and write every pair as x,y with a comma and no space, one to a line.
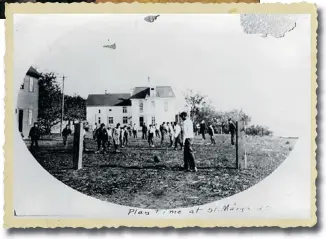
145,105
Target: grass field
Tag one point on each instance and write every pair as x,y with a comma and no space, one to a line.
132,178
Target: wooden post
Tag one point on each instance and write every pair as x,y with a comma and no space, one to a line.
241,156
78,146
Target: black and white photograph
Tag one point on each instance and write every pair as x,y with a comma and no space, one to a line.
157,114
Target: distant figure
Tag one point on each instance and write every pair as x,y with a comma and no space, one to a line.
116,137
171,133
65,133
85,129
232,129
125,136
129,130
144,131
197,129
157,131
163,132
134,131
95,128
177,136
151,133
122,130
35,135
109,132
211,134
188,135
202,130
102,138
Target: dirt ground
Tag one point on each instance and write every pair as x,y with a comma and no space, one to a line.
132,178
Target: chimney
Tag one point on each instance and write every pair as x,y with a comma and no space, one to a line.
106,91
151,88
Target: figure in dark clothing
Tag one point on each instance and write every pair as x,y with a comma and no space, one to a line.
164,131
144,131
102,138
232,129
35,135
188,135
65,133
202,129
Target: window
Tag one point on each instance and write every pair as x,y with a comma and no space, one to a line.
110,120
141,107
99,120
125,120
124,109
30,117
153,120
141,121
110,109
166,105
31,84
99,111
153,104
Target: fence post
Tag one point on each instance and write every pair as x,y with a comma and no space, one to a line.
241,156
78,146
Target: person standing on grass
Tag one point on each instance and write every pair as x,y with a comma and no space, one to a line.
157,131
177,136
144,131
35,135
162,129
188,135
109,132
85,130
116,137
125,136
232,129
65,133
203,129
211,134
129,130
151,133
171,133
102,139
95,128
134,131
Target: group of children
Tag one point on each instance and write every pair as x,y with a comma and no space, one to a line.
103,136
171,130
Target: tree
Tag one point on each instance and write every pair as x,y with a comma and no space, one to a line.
196,102
75,108
50,97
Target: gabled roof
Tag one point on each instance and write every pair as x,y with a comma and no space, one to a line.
161,91
120,99
33,72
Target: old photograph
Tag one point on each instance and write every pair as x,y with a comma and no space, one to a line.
164,111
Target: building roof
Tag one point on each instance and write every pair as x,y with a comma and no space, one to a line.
161,92
33,72
120,99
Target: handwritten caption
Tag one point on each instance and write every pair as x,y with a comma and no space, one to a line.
197,210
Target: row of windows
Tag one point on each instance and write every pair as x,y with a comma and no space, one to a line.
110,120
124,110
141,106
30,84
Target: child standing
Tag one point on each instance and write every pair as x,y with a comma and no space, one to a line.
151,135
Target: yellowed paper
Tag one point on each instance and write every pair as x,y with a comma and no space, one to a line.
267,203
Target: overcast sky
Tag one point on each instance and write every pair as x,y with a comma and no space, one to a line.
268,78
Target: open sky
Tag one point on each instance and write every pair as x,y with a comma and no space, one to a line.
269,78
